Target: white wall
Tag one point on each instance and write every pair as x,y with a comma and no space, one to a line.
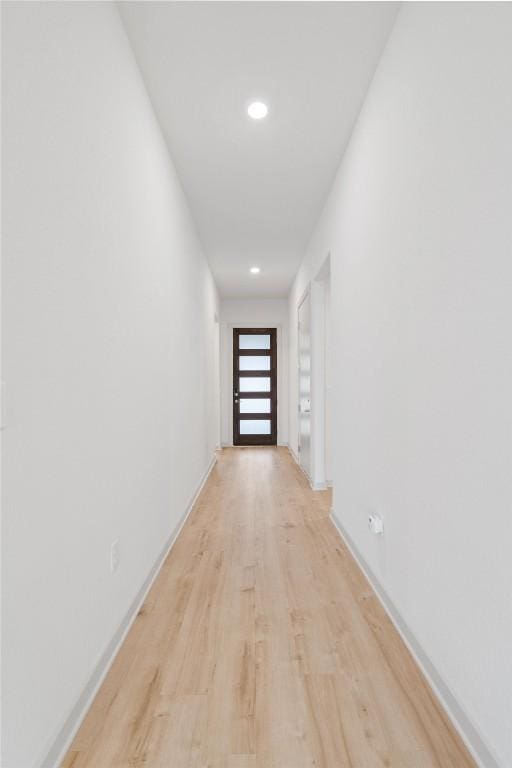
419,226
108,312
264,313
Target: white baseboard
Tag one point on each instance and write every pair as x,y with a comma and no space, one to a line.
476,744
67,733
312,485
294,455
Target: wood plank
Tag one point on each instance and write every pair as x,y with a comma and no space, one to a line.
261,645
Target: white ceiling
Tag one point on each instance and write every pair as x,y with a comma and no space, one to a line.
257,188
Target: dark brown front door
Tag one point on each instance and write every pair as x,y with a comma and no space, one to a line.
254,386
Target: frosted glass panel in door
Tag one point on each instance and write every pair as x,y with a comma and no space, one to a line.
254,363
255,427
254,384
254,341
255,405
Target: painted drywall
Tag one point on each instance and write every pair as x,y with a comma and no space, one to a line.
248,313
419,227
108,355
256,187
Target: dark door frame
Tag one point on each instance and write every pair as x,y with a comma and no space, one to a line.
239,439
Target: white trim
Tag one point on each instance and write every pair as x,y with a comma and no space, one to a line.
303,296
306,294
75,718
320,285
469,733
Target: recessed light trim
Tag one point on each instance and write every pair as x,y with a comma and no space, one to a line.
255,270
257,110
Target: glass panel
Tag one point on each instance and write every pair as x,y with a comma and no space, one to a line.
254,341
255,405
255,427
254,383
256,363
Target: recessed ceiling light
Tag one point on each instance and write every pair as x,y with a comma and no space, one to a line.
257,110
254,270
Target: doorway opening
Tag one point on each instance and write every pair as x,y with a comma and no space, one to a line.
314,379
254,386
322,374
304,355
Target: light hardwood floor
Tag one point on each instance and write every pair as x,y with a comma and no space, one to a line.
261,645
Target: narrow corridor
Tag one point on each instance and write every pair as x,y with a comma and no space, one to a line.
261,645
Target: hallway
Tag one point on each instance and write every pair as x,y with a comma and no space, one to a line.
261,644
255,376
